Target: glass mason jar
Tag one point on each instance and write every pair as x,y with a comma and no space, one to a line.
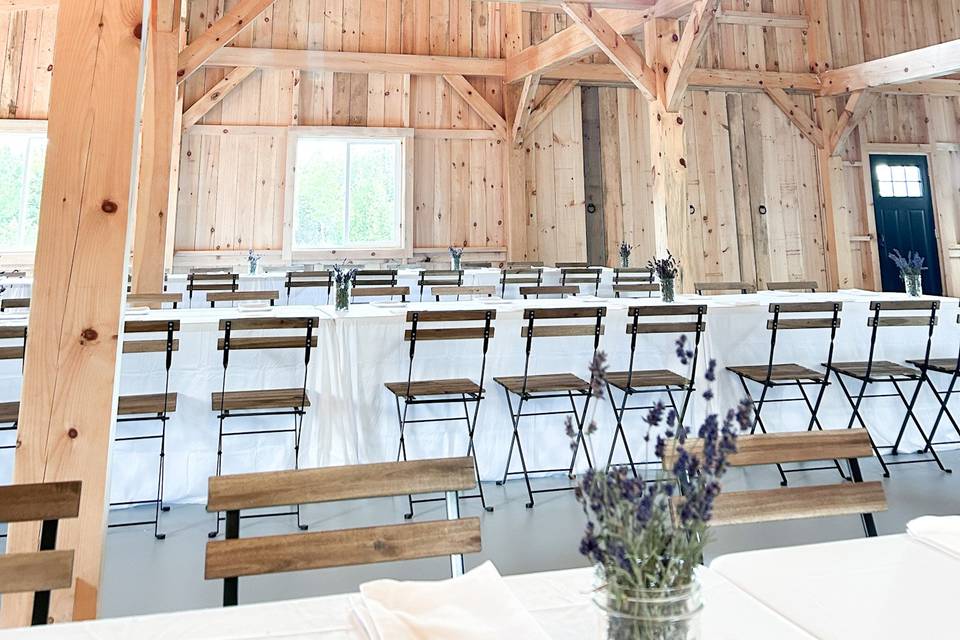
343,297
254,264
651,614
913,284
456,262
624,261
668,289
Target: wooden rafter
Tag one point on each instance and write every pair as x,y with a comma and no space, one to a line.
856,109
478,103
933,87
621,51
929,62
695,32
525,106
219,34
764,19
605,4
215,95
797,116
21,5
549,103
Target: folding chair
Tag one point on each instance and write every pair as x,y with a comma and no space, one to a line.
571,265
538,291
530,387
724,287
463,392
520,276
14,303
580,276
442,278
784,317
380,292
242,296
660,381
873,371
143,337
795,285
154,300
234,557
438,292
282,334
634,280
945,366
309,280
375,278
476,264
219,281
47,568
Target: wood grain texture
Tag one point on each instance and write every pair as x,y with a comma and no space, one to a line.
793,503
39,501
37,571
801,446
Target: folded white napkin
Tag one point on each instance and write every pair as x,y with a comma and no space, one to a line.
942,532
476,606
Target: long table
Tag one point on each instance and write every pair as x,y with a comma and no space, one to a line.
353,418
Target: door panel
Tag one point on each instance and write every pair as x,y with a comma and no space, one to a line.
905,221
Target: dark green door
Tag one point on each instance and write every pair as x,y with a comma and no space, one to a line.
905,221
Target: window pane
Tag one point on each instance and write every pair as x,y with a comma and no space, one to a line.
319,192
898,173
883,172
886,189
900,189
373,197
914,190
13,155
913,173
31,218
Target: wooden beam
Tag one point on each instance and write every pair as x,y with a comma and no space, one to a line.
513,158
550,102
215,95
635,5
22,5
621,51
69,381
524,106
609,74
695,32
797,116
856,109
920,64
763,19
931,87
157,142
478,103
219,34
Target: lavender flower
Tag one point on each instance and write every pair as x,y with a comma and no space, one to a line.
456,252
665,268
342,275
625,249
912,265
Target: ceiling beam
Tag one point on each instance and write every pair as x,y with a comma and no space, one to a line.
478,103
599,4
22,5
688,52
856,109
219,34
549,103
933,87
525,106
797,116
763,19
215,95
920,64
621,51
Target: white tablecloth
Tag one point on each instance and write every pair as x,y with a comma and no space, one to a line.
877,588
560,601
353,418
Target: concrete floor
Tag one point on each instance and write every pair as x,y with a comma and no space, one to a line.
143,575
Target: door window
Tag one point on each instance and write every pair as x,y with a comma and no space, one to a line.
899,181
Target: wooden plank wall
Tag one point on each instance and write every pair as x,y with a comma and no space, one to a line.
26,62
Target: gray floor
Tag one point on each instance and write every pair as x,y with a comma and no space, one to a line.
144,575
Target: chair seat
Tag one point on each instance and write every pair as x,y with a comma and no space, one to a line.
778,373
881,369
651,378
261,399
146,403
940,365
456,386
544,383
9,411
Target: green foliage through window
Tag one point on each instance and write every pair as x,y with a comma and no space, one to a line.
21,182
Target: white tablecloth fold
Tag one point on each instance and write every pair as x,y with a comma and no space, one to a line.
940,532
475,606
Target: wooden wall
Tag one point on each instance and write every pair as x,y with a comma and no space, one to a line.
26,62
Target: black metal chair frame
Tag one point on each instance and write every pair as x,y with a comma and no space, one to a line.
298,412
440,278
582,276
943,397
215,281
634,330
308,280
631,276
172,326
522,276
775,324
416,318
531,315
875,322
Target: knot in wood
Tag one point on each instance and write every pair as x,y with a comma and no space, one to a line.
138,31
109,206
72,432
89,335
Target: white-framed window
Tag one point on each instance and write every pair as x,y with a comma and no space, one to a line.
347,192
22,157
899,181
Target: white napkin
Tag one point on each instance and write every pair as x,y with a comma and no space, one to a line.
941,532
476,606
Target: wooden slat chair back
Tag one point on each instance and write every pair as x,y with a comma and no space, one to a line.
14,303
439,278
481,290
209,270
560,323
648,288
525,264
793,285
632,275
791,503
520,276
549,290
269,334
712,288
571,265
221,281
899,314
154,300
580,276
376,278
16,273
309,279
243,296
423,326
234,557
476,264
380,292
48,568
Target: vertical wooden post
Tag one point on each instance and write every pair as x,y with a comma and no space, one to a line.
157,140
68,407
668,150
514,164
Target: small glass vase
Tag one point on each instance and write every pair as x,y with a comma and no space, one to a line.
912,283
668,289
456,263
342,302
651,614
254,267
624,261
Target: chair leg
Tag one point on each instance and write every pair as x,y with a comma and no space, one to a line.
516,439
471,447
159,505
869,525
815,421
581,439
944,401
855,415
297,430
216,530
758,421
513,440
619,431
910,414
